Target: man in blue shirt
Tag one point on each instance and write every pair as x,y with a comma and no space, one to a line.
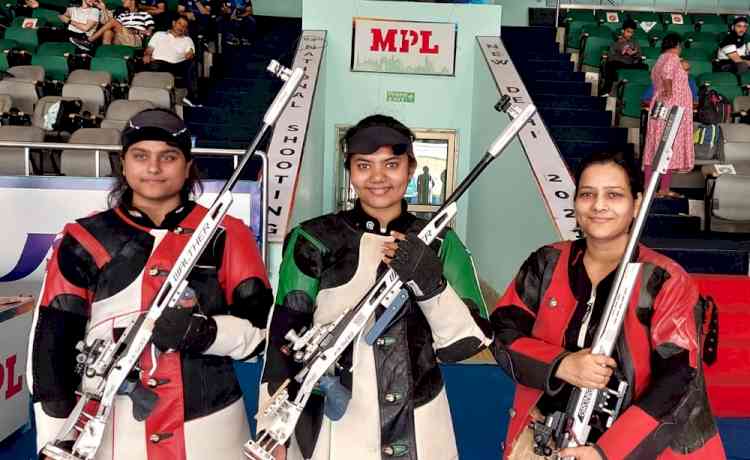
237,24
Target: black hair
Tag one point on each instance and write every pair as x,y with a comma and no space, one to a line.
368,122
629,24
622,160
671,40
122,194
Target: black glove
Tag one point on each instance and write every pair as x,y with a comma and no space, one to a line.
182,330
419,267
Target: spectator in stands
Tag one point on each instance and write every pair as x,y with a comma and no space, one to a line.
237,24
649,93
124,26
158,10
198,14
544,326
174,51
733,54
671,88
624,53
83,20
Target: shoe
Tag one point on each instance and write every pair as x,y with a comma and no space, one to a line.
189,103
81,43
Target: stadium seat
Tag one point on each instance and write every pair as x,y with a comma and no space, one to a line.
50,16
630,100
24,93
699,67
27,39
726,199
575,21
741,106
735,132
90,77
3,62
7,45
92,96
683,29
650,56
83,162
703,19
113,5
120,111
699,36
696,54
19,20
117,68
160,97
32,73
57,5
42,106
708,47
12,160
717,78
163,80
634,75
6,102
56,49
714,28
115,51
607,20
745,80
55,67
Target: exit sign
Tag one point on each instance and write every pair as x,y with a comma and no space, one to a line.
400,96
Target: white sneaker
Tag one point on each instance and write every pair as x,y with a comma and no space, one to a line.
189,103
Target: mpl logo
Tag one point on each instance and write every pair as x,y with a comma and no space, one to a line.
9,379
32,255
386,40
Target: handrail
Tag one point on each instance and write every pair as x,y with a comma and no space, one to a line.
235,153
655,9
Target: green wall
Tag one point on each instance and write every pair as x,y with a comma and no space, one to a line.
285,8
441,102
507,217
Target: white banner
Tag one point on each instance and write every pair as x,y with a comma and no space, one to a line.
426,48
60,200
288,140
15,322
549,168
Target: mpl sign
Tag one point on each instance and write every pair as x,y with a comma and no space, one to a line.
427,48
15,322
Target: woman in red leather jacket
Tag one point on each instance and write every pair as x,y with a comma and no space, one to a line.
545,322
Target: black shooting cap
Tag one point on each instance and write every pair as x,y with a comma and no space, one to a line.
157,125
368,140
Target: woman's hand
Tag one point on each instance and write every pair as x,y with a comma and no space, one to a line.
416,264
585,370
580,453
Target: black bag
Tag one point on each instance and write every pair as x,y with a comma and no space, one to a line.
713,108
59,116
15,117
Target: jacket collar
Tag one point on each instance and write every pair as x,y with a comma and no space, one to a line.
171,220
361,220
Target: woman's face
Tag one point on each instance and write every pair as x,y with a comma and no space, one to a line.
380,178
156,171
604,204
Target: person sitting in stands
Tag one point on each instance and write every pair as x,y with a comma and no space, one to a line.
174,51
733,51
237,24
82,20
624,53
158,10
124,26
198,14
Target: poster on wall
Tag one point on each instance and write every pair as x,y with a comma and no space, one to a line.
410,47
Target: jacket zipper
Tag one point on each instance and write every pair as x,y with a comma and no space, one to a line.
586,319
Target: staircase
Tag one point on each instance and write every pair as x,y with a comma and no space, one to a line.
580,125
239,92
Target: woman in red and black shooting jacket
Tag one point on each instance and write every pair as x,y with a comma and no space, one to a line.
104,272
545,322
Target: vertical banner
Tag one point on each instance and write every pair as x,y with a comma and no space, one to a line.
548,167
288,140
390,46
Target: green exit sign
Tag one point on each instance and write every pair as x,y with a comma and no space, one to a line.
406,97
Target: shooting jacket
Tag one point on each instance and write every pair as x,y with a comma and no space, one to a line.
666,413
399,406
104,271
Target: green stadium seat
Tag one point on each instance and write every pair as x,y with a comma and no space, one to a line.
172,5
634,75
115,51
57,5
4,62
117,67
714,28
717,78
708,47
50,16
650,56
710,37
648,16
745,79
728,91
704,19
599,31
630,104
18,21
696,54
55,67
56,49
580,16
593,50
7,45
113,5
27,39
683,30
699,67
575,21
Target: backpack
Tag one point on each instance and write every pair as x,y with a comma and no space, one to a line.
706,141
713,108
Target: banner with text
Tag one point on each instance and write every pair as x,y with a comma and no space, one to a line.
389,46
288,140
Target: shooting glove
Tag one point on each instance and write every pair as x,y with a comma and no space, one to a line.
419,267
182,329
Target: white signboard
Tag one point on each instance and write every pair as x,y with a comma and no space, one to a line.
287,143
548,167
60,200
427,48
15,322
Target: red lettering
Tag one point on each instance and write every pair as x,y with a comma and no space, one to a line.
2,375
380,43
13,387
425,49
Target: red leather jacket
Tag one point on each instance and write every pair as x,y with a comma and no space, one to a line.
666,414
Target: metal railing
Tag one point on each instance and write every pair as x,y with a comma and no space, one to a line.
652,8
97,149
